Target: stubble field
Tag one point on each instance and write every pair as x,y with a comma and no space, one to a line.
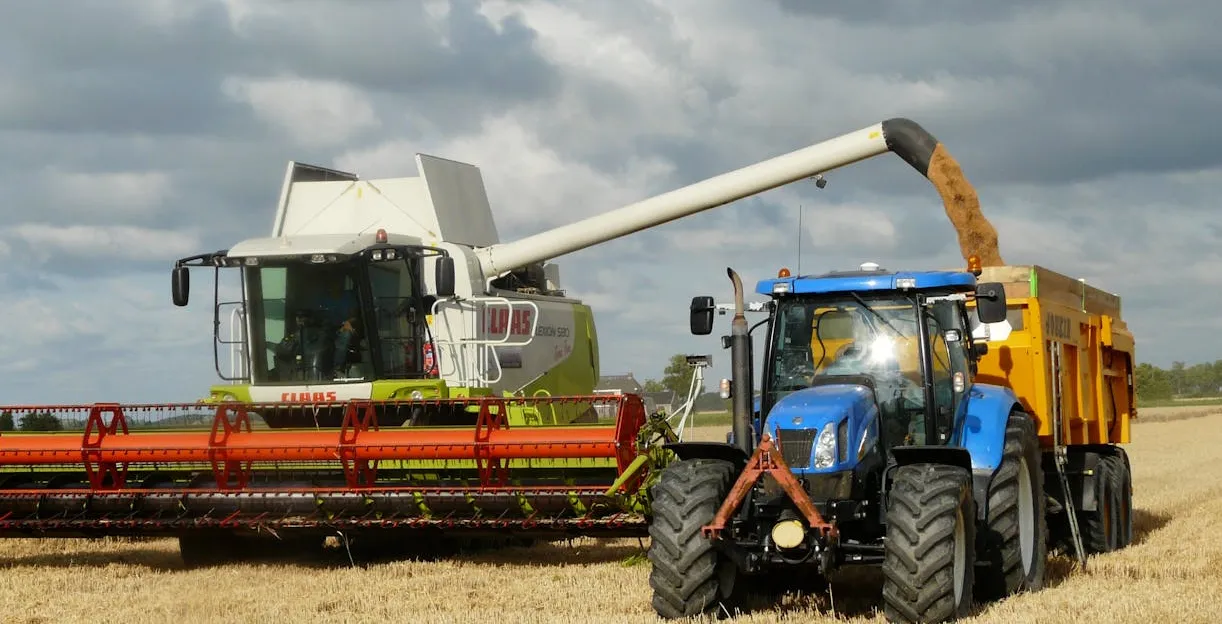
1172,573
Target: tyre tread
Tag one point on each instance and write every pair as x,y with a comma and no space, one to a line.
1001,571
918,567
684,576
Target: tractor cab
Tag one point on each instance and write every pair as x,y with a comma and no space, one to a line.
896,343
859,363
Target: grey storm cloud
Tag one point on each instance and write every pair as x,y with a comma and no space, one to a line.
134,133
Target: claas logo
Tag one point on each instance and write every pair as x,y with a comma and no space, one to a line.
307,397
498,321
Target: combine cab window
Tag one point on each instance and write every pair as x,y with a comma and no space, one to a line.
819,339
308,320
334,323
399,319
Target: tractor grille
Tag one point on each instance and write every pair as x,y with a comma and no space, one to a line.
796,445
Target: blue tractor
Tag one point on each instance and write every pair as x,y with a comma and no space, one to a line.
869,443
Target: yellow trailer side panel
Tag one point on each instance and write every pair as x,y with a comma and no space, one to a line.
1069,357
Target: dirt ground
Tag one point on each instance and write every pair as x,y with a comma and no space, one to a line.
1171,574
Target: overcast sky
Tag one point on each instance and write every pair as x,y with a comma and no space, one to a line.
133,133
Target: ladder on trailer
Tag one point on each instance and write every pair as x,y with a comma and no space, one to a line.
1060,452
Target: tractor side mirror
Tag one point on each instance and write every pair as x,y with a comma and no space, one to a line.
444,277
991,302
702,316
180,287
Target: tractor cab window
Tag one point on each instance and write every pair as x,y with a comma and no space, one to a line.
817,340
949,335
952,352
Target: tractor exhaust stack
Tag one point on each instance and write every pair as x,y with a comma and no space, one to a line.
740,365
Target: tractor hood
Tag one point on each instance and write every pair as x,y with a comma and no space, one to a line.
821,429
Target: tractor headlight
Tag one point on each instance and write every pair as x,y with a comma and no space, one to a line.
825,447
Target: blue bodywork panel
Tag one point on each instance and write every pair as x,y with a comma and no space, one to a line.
981,424
812,408
867,281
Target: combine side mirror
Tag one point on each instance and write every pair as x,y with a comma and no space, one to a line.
180,285
991,302
444,277
702,316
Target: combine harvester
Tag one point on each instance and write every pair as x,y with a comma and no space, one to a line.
450,393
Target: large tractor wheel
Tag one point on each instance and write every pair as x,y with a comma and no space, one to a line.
689,576
930,546
1012,546
1100,527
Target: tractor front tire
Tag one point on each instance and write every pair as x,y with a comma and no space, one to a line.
689,576
1012,547
930,546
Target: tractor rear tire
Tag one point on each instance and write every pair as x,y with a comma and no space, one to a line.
1012,546
689,576
1100,527
930,548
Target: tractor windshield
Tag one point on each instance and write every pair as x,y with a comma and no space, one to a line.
334,322
815,340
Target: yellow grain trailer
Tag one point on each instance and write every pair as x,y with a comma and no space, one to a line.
1069,358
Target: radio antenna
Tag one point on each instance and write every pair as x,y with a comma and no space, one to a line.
799,240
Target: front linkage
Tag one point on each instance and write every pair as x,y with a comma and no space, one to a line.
767,462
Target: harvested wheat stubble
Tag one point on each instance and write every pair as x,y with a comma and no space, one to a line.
976,235
1169,575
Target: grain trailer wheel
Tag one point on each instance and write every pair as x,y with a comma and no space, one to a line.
689,575
1012,546
930,546
1100,527
1120,482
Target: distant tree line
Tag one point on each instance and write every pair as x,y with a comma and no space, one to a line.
31,421
1180,381
46,421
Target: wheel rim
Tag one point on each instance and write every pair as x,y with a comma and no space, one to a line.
1026,516
960,565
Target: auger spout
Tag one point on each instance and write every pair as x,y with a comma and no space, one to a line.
904,137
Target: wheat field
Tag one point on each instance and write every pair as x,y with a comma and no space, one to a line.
1172,573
